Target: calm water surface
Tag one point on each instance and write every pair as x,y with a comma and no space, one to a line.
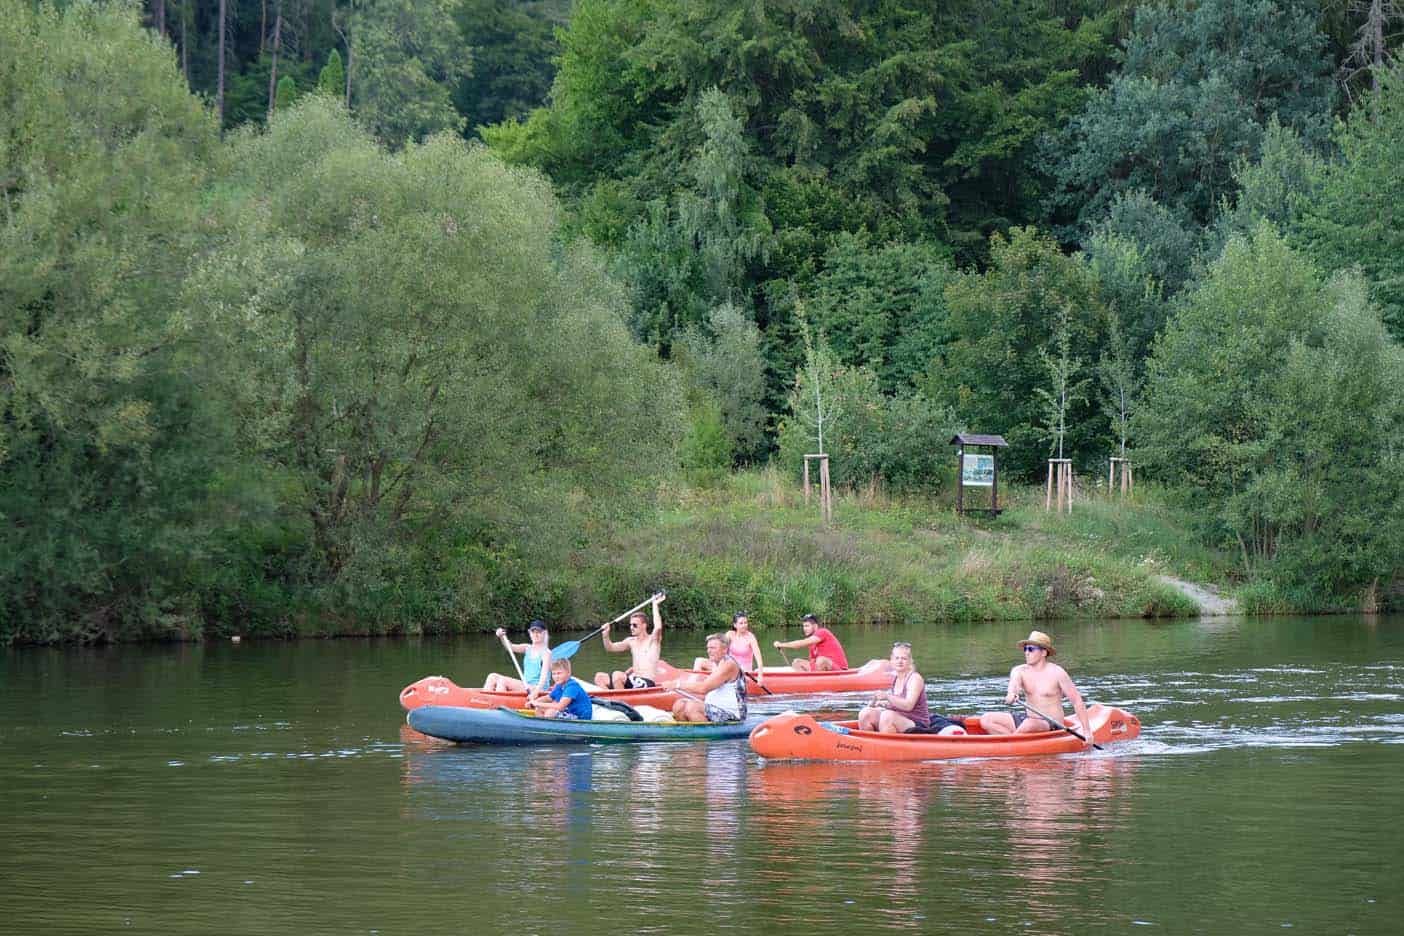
270,788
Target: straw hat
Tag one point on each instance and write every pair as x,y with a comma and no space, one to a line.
1040,638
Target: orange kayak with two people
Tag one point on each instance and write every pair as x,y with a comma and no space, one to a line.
803,737
440,690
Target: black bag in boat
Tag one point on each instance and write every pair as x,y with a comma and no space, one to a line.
938,724
615,705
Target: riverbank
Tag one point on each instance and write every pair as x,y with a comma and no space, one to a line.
752,544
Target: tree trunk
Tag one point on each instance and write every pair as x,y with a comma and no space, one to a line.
158,16
219,86
263,28
273,72
184,46
1377,39
346,41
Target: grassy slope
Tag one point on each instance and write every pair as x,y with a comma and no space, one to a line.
752,544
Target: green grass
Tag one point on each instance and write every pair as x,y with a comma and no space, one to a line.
751,543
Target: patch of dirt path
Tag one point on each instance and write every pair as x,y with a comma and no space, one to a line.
1206,596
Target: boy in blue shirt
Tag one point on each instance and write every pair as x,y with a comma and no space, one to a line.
568,699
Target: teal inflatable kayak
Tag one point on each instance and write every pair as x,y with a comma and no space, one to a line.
507,726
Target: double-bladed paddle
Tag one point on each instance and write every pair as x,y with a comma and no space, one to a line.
1058,723
567,650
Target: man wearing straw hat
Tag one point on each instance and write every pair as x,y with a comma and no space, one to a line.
1044,685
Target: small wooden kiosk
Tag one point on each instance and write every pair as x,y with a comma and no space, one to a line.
977,469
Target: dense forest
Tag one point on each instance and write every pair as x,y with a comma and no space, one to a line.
392,311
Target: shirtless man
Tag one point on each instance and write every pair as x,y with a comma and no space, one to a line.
645,646
1044,685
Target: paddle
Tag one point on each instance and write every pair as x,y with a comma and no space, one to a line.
1058,723
508,644
685,694
567,650
764,687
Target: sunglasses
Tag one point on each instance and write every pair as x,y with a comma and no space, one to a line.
901,643
1030,648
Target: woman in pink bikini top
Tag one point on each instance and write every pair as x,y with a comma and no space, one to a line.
744,648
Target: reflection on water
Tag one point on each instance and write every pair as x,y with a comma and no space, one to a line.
1019,820
1257,798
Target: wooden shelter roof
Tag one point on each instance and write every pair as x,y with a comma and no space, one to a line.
974,438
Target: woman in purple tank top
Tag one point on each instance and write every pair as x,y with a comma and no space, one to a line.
903,707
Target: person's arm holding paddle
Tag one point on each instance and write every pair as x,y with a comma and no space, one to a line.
1012,695
1070,691
760,664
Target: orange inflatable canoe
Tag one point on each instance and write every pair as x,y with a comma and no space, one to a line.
440,690
802,737
781,680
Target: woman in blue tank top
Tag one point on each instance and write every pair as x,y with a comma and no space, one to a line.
536,663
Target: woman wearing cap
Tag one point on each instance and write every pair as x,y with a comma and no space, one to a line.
536,663
1044,685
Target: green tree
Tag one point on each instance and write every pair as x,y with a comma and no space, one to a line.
332,78
405,338
1200,84
899,440
1127,275
513,47
1120,383
1064,386
727,361
107,449
1274,396
882,306
408,60
1355,218
998,324
286,93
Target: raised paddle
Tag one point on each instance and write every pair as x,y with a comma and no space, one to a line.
1059,724
567,650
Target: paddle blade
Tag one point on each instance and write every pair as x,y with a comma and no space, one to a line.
566,650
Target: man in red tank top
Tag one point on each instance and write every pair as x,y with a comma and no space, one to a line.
825,651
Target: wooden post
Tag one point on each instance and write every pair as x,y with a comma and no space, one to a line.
1060,485
826,495
1121,467
960,480
994,487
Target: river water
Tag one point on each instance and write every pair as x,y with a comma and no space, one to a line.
272,788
